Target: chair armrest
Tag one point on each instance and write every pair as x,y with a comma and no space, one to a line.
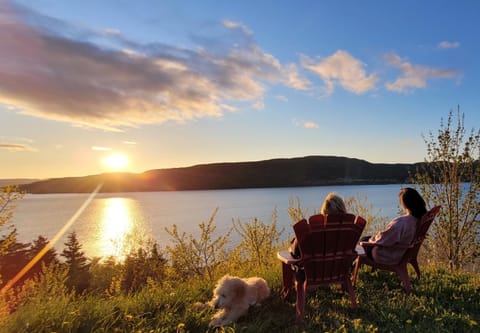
367,244
286,257
402,246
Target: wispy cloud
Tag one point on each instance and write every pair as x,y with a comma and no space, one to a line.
414,76
310,124
17,147
16,144
448,45
304,124
130,143
341,69
98,148
56,70
281,98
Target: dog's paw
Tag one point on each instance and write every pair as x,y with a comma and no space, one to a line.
200,306
216,322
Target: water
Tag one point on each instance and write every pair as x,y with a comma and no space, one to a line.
113,223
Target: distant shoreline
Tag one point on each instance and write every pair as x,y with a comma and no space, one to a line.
274,173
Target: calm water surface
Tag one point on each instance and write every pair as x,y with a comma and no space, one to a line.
115,222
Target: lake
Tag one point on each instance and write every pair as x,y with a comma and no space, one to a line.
113,223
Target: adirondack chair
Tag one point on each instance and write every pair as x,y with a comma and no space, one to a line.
327,250
410,256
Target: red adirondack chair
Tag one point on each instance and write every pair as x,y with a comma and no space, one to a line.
327,250
410,256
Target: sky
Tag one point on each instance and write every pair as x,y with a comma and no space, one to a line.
89,86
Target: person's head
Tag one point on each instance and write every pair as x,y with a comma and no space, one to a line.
333,204
410,199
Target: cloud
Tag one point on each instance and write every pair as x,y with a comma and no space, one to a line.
448,45
98,148
130,143
304,124
342,69
100,79
310,124
281,98
413,76
16,147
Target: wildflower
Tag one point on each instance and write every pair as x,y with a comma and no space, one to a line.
181,328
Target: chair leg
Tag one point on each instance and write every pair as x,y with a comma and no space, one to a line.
414,263
355,271
351,292
287,281
301,287
403,274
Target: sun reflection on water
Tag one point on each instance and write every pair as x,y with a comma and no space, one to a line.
118,232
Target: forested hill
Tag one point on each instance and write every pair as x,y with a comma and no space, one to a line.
304,171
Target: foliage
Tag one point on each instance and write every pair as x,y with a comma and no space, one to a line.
77,264
8,196
451,178
198,257
296,211
359,205
442,301
142,265
258,240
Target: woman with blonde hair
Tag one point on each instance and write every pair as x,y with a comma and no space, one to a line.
333,204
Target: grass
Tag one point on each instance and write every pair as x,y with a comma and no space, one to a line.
441,301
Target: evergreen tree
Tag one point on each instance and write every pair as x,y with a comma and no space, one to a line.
48,258
142,265
77,264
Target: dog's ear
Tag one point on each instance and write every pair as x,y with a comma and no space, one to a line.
239,288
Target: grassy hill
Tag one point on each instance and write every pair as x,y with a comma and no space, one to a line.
303,171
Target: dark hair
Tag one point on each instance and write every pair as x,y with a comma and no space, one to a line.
412,200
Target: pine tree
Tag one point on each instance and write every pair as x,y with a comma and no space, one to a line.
50,256
77,264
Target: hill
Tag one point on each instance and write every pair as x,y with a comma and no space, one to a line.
18,181
302,171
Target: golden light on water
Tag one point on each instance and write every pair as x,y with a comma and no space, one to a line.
118,232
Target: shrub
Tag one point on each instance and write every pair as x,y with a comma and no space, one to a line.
451,177
198,257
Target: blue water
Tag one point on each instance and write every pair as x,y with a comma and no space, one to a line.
113,223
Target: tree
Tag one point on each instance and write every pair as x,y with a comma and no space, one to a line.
49,257
77,264
142,265
450,177
8,196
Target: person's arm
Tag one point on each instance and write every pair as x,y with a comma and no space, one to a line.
388,237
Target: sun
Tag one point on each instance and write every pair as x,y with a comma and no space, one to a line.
116,161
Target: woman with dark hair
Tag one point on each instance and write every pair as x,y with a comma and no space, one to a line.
400,231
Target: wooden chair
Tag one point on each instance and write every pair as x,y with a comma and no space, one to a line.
327,250
410,256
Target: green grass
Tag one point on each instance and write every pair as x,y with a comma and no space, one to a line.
440,302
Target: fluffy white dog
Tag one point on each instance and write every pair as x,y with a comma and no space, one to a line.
234,295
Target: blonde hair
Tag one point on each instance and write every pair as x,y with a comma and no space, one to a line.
333,204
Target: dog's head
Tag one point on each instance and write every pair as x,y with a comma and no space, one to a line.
228,291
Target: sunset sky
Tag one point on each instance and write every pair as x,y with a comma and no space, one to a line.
95,86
